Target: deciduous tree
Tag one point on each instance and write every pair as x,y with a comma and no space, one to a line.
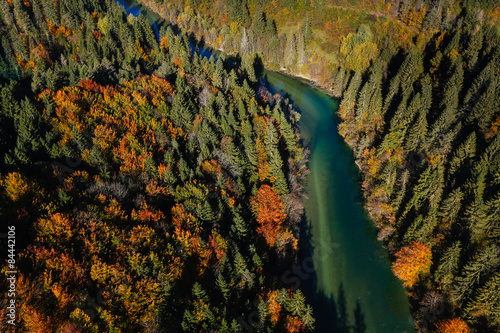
412,263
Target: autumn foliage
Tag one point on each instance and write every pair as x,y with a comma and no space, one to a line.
130,176
15,185
268,208
455,325
412,262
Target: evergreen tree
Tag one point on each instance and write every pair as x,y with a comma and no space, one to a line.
245,43
448,265
474,272
271,30
259,22
487,301
348,103
290,51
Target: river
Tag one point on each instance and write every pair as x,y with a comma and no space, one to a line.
345,271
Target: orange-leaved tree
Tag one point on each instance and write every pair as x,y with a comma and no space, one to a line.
268,208
294,324
274,308
455,325
413,261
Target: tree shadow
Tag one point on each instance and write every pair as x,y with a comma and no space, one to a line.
359,319
342,313
332,313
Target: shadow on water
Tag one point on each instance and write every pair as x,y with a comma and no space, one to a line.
330,311
359,319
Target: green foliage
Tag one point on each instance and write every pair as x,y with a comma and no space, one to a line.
428,173
448,265
259,22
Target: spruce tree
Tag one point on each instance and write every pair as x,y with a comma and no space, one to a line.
259,22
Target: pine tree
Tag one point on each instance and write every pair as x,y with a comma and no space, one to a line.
338,86
239,225
7,15
245,43
307,28
275,50
245,14
464,153
247,64
307,317
417,133
271,30
22,17
433,18
295,304
410,70
206,213
218,74
449,264
369,103
199,293
451,206
240,265
346,108
472,48
487,301
474,271
485,222
259,22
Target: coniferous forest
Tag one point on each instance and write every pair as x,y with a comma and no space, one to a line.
426,139
153,189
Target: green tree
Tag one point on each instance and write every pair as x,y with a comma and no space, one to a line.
449,264
487,302
259,22
474,272
307,28
347,106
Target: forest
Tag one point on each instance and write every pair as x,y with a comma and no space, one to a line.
319,39
424,130
137,172
150,188
418,83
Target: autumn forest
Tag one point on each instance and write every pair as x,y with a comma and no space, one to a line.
153,189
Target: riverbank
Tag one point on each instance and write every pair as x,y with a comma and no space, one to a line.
172,19
348,259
